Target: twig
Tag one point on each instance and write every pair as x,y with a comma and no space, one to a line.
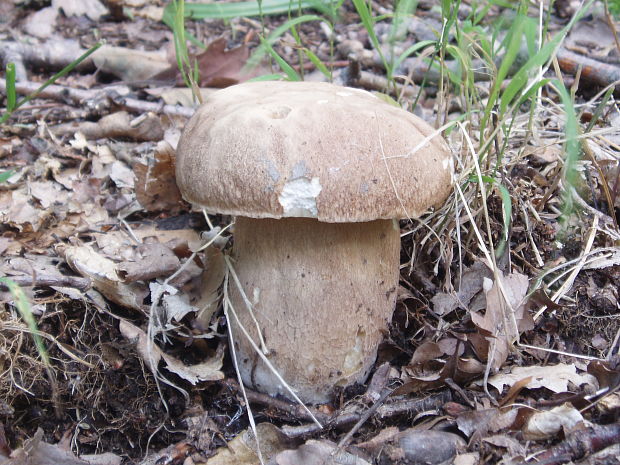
592,71
111,95
344,442
579,444
366,80
398,407
47,280
291,411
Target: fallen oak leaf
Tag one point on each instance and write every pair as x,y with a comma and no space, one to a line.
147,127
209,370
505,318
553,377
102,272
547,424
220,67
217,66
156,188
37,452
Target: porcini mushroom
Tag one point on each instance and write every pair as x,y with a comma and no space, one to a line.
318,176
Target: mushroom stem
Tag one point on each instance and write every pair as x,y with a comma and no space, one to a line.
323,295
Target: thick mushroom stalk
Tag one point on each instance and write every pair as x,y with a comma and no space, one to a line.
323,295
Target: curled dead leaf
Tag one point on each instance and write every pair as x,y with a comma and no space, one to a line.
209,370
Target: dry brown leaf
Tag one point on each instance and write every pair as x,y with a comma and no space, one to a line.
217,66
47,193
152,260
102,272
513,446
482,421
17,211
607,373
181,96
470,285
147,127
317,453
208,370
156,187
505,318
553,377
42,23
242,449
37,452
545,425
129,64
220,67
472,458
208,292
93,9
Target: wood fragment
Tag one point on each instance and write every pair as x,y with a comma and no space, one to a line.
49,281
342,418
579,444
355,77
107,96
592,71
398,407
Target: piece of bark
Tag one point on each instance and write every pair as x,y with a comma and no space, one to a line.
398,407
106,97
579,444
592,71
124,63
147,127
40,280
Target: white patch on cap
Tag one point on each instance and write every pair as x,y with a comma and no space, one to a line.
322,102
298,197
344,94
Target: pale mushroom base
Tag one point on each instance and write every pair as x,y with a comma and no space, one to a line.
323,295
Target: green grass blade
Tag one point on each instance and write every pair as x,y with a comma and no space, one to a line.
600,108
572,150
506,210
222,10
66,70
23,307
266,77
519,80
316,61
267,43
411,50
369,24
11,94
514,38
288,69
6,175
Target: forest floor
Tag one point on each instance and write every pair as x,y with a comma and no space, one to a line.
504,345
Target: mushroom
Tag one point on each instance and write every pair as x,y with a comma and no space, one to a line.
318,176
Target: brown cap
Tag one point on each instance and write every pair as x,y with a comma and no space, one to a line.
307,149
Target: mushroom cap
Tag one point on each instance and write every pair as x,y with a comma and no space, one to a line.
308,149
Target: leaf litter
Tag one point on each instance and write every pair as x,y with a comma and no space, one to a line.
93,197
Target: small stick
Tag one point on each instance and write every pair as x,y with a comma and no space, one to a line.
578,445
48,280
398,407
292,411
107,94
593,71
344,442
